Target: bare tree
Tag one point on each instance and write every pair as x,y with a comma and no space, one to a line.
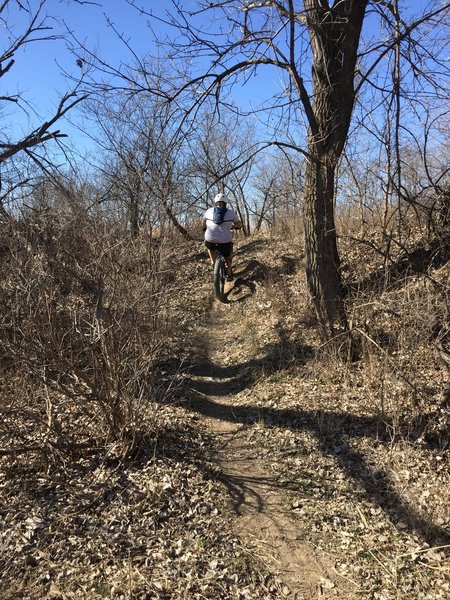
138,159
395,164
221,159
278,183
284,36
268,34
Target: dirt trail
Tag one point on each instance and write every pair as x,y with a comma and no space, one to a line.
257,503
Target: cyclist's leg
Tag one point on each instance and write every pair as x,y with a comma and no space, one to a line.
227,253
212,252
228,264
212,255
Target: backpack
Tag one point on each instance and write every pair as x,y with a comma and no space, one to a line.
219,214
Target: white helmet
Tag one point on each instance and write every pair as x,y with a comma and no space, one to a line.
220,198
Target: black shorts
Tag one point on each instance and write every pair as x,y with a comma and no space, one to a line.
225,249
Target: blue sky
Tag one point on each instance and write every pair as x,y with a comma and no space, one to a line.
37,72
36,67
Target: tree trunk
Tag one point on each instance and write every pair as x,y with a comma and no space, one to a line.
134,216
172,218
322,257
334,34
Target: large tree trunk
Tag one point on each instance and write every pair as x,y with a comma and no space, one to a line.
322,257
334,34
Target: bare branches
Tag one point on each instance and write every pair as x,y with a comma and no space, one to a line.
43,133
402,35
35,28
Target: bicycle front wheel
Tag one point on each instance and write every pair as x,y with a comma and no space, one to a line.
219,279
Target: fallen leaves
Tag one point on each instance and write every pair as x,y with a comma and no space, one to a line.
339,440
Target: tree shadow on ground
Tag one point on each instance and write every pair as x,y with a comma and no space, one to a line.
275,356
245,282
252,246
333,430
247,490
256,272
377,484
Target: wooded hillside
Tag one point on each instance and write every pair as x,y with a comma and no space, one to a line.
292,439
119,373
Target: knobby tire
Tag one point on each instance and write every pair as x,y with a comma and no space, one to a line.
219,279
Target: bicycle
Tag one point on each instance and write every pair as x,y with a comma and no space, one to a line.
220,274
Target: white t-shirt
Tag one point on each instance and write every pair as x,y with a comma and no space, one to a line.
219,234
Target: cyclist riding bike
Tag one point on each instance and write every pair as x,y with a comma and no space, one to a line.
218,222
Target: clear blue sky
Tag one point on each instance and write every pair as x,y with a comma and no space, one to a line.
37,73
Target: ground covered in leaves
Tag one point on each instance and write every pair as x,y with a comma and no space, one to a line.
106,529
359,449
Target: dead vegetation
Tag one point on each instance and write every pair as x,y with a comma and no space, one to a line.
360,448
106,490
107,484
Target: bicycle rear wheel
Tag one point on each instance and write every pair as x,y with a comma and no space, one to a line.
219,278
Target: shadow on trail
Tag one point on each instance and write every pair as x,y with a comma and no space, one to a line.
245,282
221,380
243,490
377,484
333,430
252,246
255,272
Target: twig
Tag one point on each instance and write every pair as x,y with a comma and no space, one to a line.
424,550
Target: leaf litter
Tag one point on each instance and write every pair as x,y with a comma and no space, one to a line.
365,486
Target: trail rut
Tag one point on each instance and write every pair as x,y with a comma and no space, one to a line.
258,505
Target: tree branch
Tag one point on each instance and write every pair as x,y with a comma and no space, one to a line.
42,134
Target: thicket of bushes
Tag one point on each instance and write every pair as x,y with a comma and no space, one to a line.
80,334
83,325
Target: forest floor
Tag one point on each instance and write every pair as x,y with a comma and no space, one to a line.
330,497
257,503
276,469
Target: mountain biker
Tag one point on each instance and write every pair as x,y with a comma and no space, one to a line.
218,221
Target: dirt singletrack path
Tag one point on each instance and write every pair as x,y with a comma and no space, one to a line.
258,505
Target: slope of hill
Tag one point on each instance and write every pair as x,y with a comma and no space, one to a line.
356,453
272,467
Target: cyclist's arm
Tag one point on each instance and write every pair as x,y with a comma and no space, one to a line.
204,225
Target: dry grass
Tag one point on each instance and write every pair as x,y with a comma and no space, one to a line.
361,447
81,333
98,333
